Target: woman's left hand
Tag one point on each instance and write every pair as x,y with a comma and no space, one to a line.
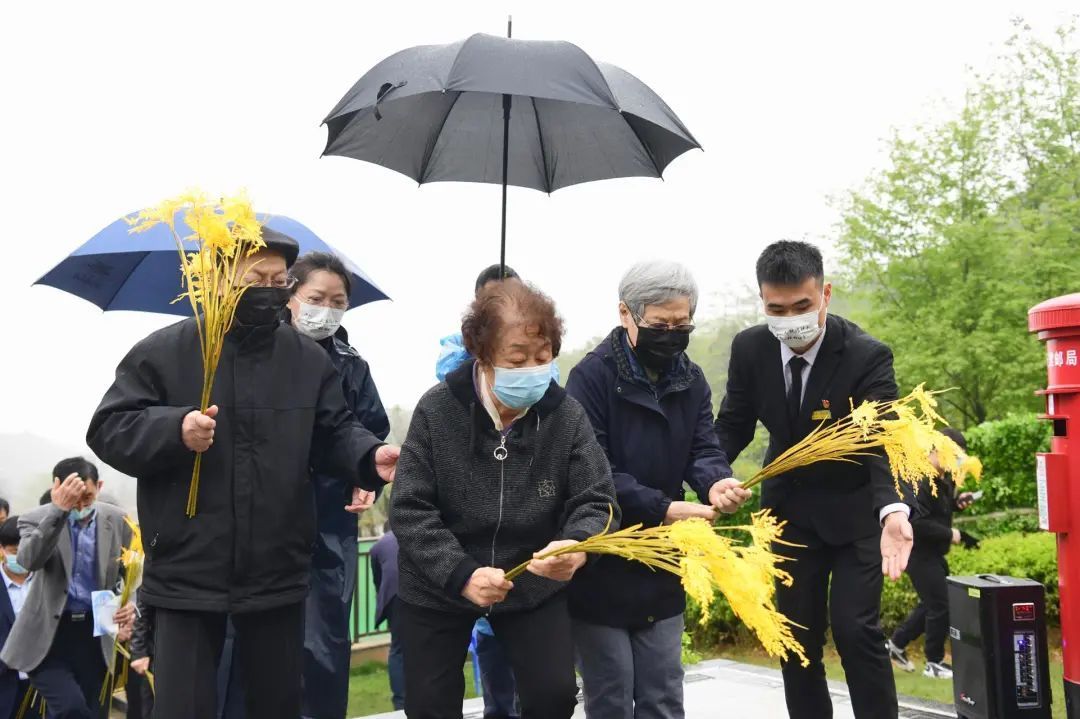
560,568
727,495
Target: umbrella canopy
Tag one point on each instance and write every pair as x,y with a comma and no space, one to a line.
140,272
436,113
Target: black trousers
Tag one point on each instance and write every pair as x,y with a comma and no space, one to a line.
72,674
841,585
927,573
187,649
140,698
538,644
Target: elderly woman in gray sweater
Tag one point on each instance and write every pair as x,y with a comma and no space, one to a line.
499,464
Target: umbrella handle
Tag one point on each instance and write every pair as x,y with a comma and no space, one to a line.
386,89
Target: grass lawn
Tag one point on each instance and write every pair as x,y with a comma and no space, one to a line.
912,684
369,689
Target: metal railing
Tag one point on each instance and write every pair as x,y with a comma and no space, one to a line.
362,617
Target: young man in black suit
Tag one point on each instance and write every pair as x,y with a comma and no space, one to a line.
802,368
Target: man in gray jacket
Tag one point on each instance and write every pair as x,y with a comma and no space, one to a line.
72,545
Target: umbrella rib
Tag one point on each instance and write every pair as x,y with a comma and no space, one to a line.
618,108
644,146
543,153
121,285
431,151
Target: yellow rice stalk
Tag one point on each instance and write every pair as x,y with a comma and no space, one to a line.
132,558
904,429
707,562
968,466
223,233
27,704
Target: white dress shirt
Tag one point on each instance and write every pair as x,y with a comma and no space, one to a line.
810,355
17,594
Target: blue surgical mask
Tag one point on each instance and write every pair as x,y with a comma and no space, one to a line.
522,388
13,566
80,514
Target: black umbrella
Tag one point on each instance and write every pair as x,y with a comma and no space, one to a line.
517,112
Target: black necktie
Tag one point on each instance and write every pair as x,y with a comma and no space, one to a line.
794,398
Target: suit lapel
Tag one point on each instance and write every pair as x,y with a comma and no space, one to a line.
821,375
64,545
6,610
105,552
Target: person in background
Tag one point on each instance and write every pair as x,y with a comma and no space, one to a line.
277,411
319,300
452,352
384,573
499,466
72,545
45,498
651,409
845,522
928,568
496,674
14,684
5,510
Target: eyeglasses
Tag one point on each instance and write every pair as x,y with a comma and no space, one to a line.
278,283
664,326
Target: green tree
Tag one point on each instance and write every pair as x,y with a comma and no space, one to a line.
974,221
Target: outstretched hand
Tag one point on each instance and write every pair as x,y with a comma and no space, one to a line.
896,543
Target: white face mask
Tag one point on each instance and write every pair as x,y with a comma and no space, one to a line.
797,331
318,322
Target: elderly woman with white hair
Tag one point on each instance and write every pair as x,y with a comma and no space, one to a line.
651,409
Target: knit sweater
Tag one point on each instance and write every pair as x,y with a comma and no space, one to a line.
456,507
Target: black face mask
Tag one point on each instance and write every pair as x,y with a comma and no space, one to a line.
657,348
260,306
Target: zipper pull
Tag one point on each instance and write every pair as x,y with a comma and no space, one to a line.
501,451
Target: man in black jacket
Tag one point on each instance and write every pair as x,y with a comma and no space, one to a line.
277,412
934,537
801,369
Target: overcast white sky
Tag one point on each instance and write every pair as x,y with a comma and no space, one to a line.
109,110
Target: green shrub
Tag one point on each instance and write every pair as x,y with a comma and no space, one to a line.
983,526
1030,556
1007,449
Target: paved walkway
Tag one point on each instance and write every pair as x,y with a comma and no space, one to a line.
723,689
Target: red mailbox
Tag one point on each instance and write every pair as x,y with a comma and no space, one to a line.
1058,323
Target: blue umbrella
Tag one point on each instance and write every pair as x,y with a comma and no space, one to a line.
117,270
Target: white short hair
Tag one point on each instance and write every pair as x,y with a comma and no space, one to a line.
657,282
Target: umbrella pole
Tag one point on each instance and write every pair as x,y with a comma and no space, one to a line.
505,167
506,161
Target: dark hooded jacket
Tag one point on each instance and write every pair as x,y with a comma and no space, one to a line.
932,523
282,412
658,437
327,641
456,508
